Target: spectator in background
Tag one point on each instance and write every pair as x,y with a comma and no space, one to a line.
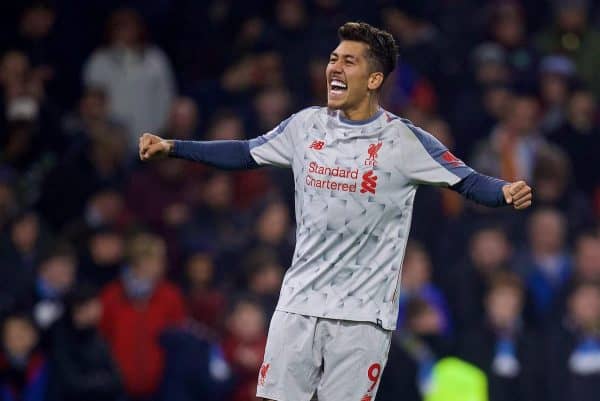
508,29
413,88
419,40
513,144
216,221
183,121
572,35
24,368
546,265
251,72
162,196
587,257
20,247
288,37
195,367
502,347
28,123
136,309
56,275
264,275
14,69
226,125
586,266
414,350
100,164
23,242
103,254
206,301
556,76
37,39
272,230
244,346
489,254
271,106
552,178
573,349
83,368
482,103
136,75
105,208
20,150
168,190
90,120
416,283
579,137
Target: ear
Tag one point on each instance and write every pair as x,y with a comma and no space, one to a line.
375,81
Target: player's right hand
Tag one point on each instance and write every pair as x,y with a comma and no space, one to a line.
153,147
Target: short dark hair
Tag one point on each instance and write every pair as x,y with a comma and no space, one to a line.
580,284
59,248
382,52
505,279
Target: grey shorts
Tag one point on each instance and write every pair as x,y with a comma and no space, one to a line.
339,360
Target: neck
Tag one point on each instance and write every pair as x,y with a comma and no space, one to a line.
364,110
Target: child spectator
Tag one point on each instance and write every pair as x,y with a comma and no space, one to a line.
244,346
23,367
137,307
501,346
416,283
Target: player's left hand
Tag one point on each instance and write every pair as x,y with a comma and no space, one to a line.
518,194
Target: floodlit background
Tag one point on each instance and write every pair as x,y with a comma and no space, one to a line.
148,282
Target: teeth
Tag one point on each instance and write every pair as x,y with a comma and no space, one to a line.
338,83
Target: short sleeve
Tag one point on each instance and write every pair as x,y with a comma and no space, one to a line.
425,160
276,147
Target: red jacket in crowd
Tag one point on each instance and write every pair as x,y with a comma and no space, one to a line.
132,329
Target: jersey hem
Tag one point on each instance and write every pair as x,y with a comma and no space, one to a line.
377,322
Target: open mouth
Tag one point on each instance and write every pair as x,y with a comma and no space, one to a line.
337,87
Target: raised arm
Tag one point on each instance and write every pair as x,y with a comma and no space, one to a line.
425,160
493,192
275,148
228,155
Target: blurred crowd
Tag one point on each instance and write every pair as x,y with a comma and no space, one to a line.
148,282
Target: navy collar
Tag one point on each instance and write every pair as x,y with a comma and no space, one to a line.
360,122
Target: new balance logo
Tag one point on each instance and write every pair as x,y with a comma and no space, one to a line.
317,145
369,182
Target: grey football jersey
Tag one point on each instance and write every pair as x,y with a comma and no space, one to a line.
355,183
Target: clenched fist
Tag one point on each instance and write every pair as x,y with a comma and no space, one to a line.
518,194
153,147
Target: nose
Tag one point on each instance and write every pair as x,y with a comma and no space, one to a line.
336,66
